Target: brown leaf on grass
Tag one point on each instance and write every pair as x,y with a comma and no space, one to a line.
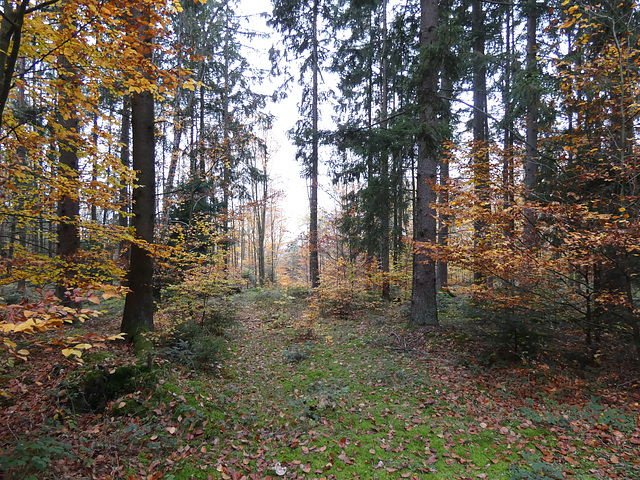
571,461
345,459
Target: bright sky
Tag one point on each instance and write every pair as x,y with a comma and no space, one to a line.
284,169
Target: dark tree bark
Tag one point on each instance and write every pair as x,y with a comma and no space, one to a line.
123,220
480,127
531,147
424,309
138,307
442,268
384,165
508,197
314,263
68,206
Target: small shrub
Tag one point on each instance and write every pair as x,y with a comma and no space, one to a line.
298,291
93,390
348,287
535,469
191,344
27,458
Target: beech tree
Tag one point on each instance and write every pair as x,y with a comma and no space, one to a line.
138,308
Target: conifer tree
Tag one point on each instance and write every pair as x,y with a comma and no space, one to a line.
424,310
300,23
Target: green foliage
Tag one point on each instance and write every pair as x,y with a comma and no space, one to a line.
535,469
298,291
94,389
319,398
28,459
192,344
297,354
593,413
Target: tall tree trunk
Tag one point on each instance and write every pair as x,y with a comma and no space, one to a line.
178,130
123,219
226,157
508,197
138,307
424,310
10,40
442,268
314,263
480,129
384,164
68,205
262,211
531,147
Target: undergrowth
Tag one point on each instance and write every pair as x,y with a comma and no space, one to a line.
362,397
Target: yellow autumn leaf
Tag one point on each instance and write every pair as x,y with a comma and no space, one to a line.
29,313
23,352
9,343
83,346
7,328
25,326
67,352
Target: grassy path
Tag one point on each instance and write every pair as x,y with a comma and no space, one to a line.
365,400
358,398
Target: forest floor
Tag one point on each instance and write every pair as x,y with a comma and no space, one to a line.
361,397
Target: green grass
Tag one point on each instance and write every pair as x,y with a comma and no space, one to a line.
352,405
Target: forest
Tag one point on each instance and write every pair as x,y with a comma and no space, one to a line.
466,304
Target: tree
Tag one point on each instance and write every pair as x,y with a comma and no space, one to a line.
297,20
481,168
69,204
138,308
531,137
424,310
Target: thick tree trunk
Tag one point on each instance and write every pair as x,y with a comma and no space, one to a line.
424,309
138,307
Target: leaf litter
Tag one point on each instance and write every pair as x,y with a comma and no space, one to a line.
368,399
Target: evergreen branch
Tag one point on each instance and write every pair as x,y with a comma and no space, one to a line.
516,135
377,122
